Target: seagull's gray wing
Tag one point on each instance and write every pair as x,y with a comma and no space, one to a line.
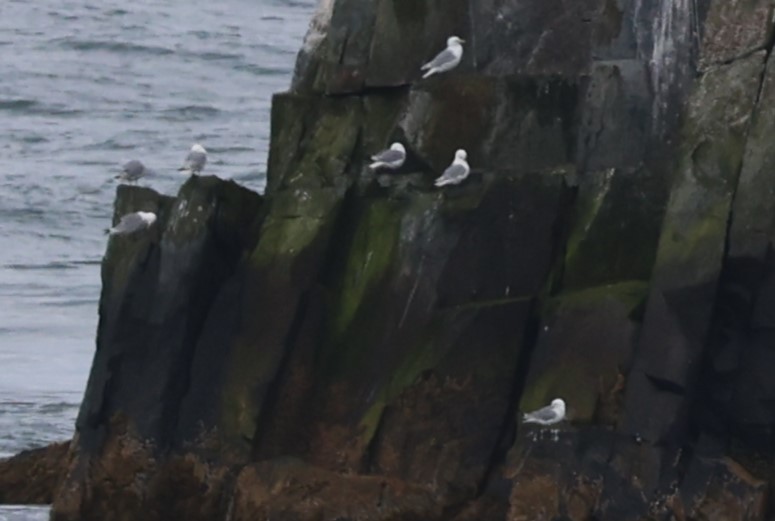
543,414
444,57
195,161
129,223
388,156
453,174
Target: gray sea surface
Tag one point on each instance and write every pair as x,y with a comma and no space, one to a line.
84,87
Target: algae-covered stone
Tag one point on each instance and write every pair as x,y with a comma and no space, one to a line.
691,246
313,141
152,310
734,29
584,348
740,383
615,227
753,216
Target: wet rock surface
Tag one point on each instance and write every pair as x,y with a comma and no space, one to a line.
359,345
32,477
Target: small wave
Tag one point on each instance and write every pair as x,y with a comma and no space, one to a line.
17,105
202,35
30,106
117,47
217,56
57,407
260,70
54,265
34,138
188,112
226,150
109,144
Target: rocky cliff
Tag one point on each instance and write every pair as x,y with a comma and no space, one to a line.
359,346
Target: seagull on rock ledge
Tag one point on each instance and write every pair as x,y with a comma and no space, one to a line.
392,158
447,59
548,415
456,172
132,171
195,160
133,222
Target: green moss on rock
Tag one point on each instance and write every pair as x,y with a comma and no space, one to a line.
586,340
371,255
615,228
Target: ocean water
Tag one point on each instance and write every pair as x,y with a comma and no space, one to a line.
84,87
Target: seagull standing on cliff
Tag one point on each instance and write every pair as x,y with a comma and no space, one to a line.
132,171
133,222
548,415
392,158
456,172
195,160
447,59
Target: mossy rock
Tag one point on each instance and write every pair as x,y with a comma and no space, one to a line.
713,139
313,141
584,349
753,215
615,228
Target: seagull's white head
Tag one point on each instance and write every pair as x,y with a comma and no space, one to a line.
198,148
454,40
148,217
558,404
397,146
461,155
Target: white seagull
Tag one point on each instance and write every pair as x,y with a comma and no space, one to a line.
133,222
548,415
456,172
447,59
195,160
132,171
392,158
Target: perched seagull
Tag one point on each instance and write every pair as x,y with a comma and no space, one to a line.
195,160
456,172
132,171
548,415
133,222
391,158
447,59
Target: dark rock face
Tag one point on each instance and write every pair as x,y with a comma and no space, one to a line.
359,345
33,476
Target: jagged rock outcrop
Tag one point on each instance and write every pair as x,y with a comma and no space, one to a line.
358,346
33,476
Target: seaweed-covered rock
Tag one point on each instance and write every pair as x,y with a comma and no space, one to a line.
690,254
33,476
361,345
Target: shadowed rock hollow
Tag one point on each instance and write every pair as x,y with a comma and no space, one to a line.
359,346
